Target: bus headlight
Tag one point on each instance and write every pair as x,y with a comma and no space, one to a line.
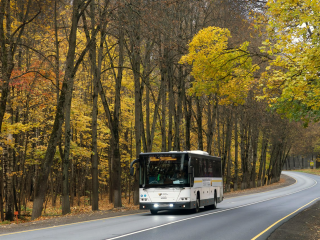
156,205
170,205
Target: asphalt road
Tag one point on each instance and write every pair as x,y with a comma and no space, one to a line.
253,216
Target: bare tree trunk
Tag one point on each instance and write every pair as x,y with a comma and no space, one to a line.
218,132
136,69
65,164
199,123
211,123
236,153
95,94
147,82
57,65
244,152
188,115
178,114
1,190
8,188
171,102
116,171
110,162
263,157
227,152
254,137
163,71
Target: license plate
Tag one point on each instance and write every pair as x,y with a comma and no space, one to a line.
163,205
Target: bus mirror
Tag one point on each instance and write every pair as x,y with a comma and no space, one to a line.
190,170
132,171
131,166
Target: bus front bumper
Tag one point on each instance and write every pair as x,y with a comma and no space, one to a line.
167,206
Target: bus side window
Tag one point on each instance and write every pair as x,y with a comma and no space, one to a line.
205,172
210,172
201,167
195,164
217,169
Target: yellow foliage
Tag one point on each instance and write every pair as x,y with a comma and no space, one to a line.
293,40
217,69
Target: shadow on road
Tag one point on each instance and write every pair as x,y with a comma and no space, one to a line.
178,212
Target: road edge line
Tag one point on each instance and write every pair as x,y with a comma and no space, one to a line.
268,228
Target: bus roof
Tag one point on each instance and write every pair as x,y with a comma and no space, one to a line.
192,152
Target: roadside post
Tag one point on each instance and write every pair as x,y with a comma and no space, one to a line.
311,164
16,213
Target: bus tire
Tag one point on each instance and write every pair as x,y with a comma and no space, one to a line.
197,209
214,205
153,212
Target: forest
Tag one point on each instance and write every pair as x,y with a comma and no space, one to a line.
87,85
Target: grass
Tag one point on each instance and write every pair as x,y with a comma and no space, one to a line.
310,171
5,222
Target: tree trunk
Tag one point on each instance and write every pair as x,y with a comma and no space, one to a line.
227,152
263,157
171,102
188,115
163,72
95,94
254,140
178,114
8,189
236,153
65,161
211,123
244,152
116,171
199,123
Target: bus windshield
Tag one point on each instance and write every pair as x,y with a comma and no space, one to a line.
163,170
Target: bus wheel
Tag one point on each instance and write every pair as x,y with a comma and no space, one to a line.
197,209
214,205
153,212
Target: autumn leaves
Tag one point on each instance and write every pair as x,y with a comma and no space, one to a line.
217,69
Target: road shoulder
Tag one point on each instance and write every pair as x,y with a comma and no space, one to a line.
304,225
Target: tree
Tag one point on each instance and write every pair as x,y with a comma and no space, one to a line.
293,42
217,69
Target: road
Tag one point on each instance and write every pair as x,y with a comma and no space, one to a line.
253,216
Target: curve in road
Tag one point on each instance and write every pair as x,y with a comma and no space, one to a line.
252,216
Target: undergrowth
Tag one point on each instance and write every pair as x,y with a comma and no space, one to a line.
310,171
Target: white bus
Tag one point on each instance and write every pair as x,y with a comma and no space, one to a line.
179,180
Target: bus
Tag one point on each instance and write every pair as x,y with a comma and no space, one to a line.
179,180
